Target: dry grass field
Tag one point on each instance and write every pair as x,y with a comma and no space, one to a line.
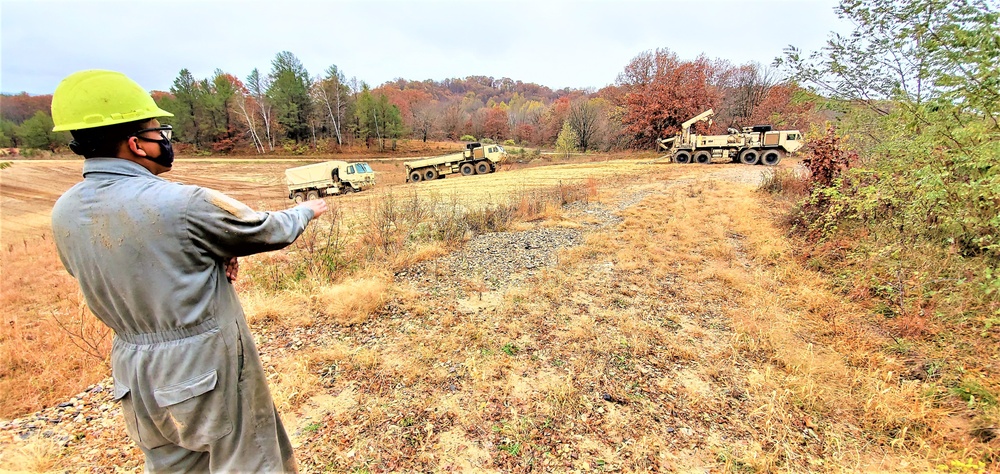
630,317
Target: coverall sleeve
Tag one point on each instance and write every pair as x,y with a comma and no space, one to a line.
225,227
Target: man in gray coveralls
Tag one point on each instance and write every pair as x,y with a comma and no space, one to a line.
155,261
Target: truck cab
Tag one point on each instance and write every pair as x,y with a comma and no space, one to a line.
358,174
791,140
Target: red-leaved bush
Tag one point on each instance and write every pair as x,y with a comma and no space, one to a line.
827,160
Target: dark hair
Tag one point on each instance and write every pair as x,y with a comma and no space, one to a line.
103,141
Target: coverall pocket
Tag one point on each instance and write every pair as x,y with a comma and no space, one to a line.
196,409
121,395
141,435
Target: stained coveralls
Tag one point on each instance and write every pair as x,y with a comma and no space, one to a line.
149,256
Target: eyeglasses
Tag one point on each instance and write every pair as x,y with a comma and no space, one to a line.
166,132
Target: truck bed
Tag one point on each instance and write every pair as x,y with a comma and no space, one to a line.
434,160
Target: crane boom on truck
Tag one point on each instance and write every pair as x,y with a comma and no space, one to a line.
750,145
475,159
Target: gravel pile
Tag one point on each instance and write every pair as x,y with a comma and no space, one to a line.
68,422
498,259
502,259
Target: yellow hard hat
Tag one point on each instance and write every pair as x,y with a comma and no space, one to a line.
98,98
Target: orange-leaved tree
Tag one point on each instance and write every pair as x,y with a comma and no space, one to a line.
661,92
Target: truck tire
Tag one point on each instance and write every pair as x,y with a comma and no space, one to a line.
771,157
312,195
703,157
430,174
416,176
749,156
298,198
468,169
682,157
483,167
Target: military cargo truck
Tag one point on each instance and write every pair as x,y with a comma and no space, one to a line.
759,144
475,159
328,179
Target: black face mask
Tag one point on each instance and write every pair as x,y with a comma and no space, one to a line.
166,158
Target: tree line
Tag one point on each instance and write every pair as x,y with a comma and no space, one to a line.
287,109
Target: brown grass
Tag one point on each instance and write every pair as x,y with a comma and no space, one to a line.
43,314
688,337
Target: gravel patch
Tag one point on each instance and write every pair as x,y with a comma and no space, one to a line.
503,259
498,259
65,422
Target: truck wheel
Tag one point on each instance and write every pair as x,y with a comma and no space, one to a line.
416,176
682,157
703,157
312,195
771,157
430,174
749,157
298,198
482,167
468,169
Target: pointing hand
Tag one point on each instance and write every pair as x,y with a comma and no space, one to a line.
317,205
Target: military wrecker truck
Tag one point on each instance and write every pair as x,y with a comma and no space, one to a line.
759,144
328,179
475,159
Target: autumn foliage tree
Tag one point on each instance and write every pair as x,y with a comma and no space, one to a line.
657,92
661,92
495,126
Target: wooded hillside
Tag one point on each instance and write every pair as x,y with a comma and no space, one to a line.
290,110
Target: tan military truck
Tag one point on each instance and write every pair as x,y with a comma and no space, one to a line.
328,179
475,159
759,144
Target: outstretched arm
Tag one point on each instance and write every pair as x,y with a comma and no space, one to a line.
224,227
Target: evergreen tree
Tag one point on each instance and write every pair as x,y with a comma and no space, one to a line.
186,108
289,94
36,132
377,119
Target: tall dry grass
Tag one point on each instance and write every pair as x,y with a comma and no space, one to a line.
51,346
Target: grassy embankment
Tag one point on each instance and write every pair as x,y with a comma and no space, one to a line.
690,335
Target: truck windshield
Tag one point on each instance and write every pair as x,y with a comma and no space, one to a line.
364,168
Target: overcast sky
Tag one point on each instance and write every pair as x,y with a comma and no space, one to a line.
555,43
